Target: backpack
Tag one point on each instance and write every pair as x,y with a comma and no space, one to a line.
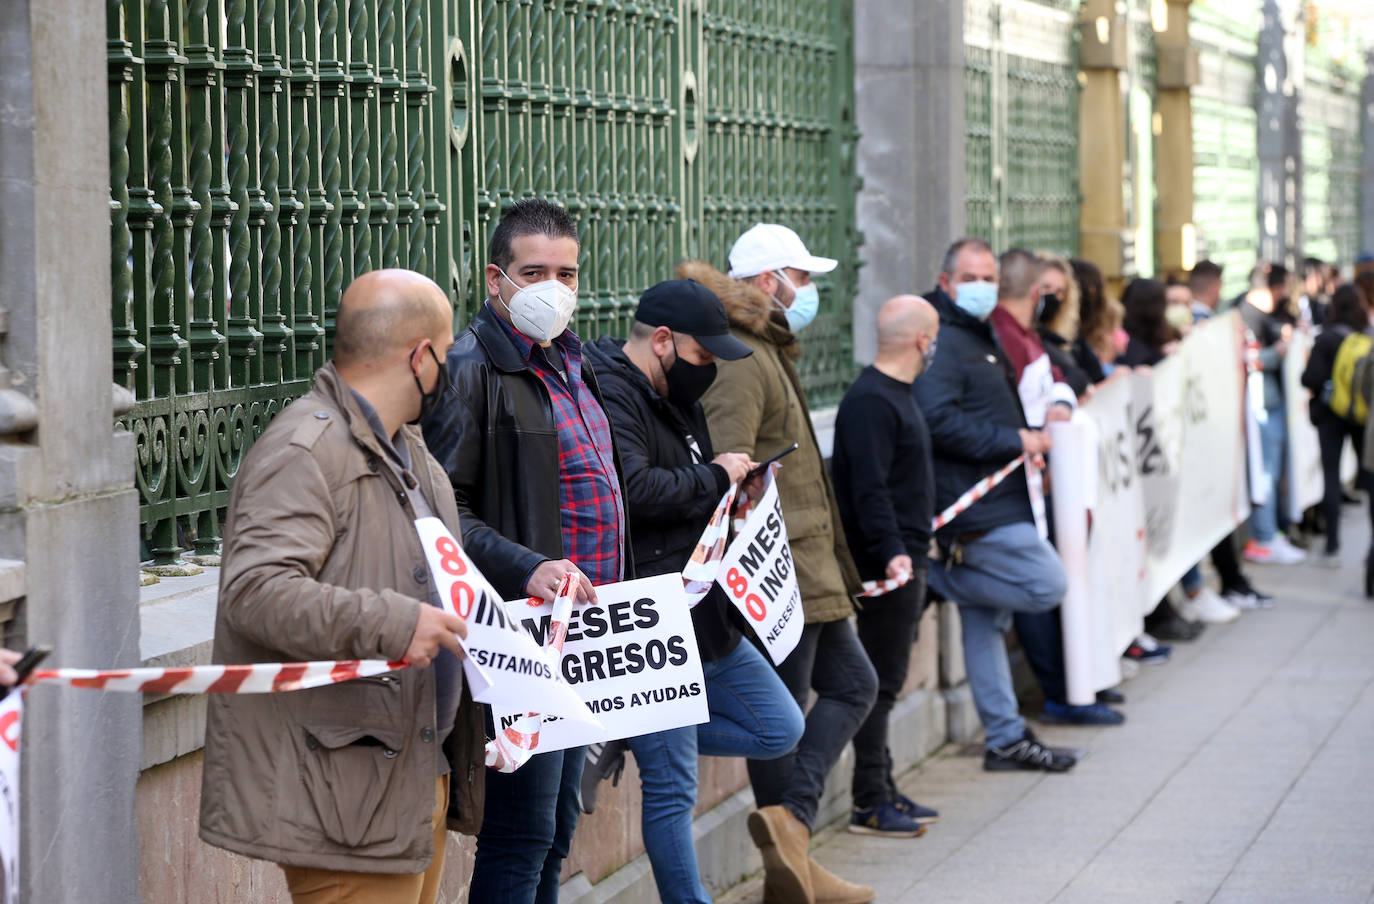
1349,398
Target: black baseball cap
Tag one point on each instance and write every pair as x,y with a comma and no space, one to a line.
686,306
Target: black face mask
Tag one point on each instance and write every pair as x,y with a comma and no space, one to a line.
1047,308
429,399
687,382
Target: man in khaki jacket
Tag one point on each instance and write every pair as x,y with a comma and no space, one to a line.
757,406
347,786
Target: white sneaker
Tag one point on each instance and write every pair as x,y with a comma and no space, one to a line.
1208,607
1129,668
1288,554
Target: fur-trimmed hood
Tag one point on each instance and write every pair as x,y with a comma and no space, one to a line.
746,306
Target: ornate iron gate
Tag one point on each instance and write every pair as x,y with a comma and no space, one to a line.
1331,153
1021,113
262,152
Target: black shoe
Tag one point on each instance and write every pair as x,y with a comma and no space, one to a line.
1173,626
603,761
1112,696
1369,574
1027,753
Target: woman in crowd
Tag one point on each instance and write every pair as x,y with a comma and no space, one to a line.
1347,314
1147,326
1057,319
1099,319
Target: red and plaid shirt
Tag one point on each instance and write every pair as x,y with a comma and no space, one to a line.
593,512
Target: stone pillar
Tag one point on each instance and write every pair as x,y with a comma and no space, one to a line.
1272,140
909,91
1367,144
69,510
1102,139
1175,238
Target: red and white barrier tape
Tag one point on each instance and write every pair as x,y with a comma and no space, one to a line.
960,505
701,569
878,588
256,678
977,491
512,747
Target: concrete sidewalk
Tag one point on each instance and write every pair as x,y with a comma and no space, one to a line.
1242,774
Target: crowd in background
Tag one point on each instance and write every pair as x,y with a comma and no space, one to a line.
548,457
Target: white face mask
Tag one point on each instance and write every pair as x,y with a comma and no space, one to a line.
541,311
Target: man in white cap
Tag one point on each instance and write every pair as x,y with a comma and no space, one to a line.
756,406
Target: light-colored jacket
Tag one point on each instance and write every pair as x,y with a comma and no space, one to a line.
757,406
322,561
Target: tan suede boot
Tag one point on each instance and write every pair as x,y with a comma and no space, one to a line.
831,889
783,840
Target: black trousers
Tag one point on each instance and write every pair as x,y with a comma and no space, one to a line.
1331,434
887,627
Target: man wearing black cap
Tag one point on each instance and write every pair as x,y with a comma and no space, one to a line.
652,382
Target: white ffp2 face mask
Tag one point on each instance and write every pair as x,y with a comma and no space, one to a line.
542,310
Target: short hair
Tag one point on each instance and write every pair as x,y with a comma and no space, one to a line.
1203,272
1277,278
1313,266
952,255
530,216
1019,273
367,330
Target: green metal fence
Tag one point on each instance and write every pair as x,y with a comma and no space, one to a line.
1021,124
1331,150
1225,136
262,152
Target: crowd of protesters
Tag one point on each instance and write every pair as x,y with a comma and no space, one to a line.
548,456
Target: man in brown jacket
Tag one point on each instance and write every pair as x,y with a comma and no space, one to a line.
757,406
347,786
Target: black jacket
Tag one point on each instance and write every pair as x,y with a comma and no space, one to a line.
970,403
1320,365
881,469
1139,353
671,489
494,433
1061,356
1087,360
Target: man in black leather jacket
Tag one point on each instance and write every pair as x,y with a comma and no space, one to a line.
527,446
652,383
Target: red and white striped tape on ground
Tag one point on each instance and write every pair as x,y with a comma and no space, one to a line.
257,678
960,505
513,746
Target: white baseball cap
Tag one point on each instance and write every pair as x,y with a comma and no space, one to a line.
768,246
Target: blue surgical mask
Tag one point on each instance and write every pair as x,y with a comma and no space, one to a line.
977,299
806,303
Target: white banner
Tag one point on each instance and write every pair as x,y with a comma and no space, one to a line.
1190,450
632,657
503,667
760,579
1161,467
1306,486
11,715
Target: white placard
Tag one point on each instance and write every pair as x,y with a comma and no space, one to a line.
760,578
503,666
1306,484
11,716
632,657
1069,476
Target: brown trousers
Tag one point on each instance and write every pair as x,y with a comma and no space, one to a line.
324,886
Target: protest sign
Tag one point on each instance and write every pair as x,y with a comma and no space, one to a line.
504,666
1306,485
758,575
11,713
631,656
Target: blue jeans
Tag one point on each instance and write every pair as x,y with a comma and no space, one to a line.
1008,569
1192,580
753,715
1264,519
527,829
